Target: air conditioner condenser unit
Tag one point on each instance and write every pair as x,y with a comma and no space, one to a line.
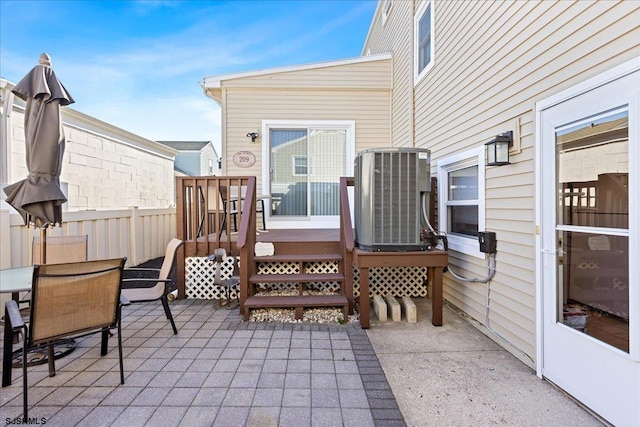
389,184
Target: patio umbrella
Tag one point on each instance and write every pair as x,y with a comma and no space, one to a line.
38,198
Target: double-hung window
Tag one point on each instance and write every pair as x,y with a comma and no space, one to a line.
461,200
300,165
423,39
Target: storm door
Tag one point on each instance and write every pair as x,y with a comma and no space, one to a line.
590,241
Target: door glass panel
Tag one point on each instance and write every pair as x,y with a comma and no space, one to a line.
593,173
593,196
289,172
327,152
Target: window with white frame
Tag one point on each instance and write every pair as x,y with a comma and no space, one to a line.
423,39
211,166
461,203
300,165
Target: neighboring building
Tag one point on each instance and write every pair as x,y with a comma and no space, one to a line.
195,158
104,167
564,78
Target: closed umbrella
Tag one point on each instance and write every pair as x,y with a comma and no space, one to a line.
38,198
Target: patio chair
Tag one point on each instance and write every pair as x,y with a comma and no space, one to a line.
69,301
159,291
60,249
237,204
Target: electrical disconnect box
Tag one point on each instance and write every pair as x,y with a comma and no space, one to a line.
487,240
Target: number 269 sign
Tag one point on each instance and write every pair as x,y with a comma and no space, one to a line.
244,159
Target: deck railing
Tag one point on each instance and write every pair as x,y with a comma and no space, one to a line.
346,238
210,211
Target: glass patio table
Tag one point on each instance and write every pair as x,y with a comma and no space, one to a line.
16,280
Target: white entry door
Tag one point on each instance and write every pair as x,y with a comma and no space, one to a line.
590,245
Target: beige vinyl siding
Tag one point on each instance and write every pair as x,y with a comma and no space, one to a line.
247,108
493,62
357,76
393,37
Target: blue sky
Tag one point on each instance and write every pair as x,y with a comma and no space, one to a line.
138,64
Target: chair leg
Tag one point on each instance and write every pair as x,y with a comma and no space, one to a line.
51,360
104,343
7,351
167,311
120,351
25,387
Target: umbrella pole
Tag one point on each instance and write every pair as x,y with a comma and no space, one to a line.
43,245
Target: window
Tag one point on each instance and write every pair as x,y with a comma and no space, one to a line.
387,11
423,39
211,166
300,165
461,200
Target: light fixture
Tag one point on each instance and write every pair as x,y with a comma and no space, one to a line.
498,149
253,136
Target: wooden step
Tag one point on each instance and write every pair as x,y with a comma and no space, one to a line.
334,300
296,278
299,258
298,302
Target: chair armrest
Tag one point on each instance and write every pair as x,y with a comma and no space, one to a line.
139,269
14,317
124,300
146,279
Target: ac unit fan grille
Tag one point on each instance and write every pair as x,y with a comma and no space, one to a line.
396,204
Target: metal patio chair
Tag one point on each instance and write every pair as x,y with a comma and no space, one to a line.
69,301
135,292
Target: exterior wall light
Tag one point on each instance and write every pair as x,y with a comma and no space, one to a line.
498,149
253,136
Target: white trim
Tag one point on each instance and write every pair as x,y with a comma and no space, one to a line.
589,84
473,157
418,75
215,81
348,125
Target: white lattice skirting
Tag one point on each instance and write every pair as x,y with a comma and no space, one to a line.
397,281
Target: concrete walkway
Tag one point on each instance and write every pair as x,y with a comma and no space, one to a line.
221,371
454,375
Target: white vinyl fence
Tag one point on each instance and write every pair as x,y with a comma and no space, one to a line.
138,234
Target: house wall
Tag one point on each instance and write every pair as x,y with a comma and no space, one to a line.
190,162
206,154
104,167
359,92
493,62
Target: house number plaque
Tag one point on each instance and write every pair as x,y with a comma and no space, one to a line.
244,159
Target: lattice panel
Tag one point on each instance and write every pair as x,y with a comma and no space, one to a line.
277,268
396,281
320,268
200,274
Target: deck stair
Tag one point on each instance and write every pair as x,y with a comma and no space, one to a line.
302,280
